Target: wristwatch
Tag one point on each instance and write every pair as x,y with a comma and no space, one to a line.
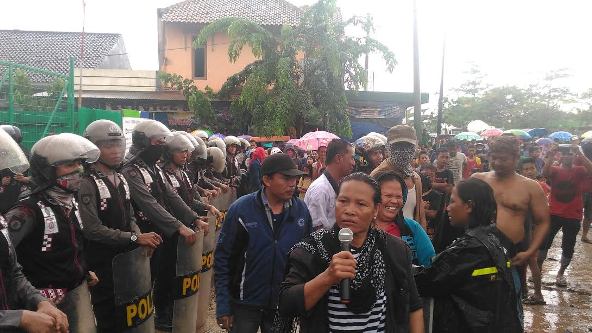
133,238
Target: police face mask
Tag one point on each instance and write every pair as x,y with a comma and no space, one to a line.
70,182
151,154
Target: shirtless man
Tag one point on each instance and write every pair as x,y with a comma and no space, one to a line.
516,196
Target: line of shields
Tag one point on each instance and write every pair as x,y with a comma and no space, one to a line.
191,285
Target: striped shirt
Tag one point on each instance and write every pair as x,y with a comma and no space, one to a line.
341,319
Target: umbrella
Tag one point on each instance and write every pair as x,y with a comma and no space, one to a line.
587,135
544,141
313,140
538,132
477,126
492,132
561,136
468,136
217,135
519,133
246,137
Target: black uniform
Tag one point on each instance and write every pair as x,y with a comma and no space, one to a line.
181,184
16,293
108,225
472,285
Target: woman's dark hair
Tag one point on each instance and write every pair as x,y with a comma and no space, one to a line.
391,176
364,178
426,183
480,195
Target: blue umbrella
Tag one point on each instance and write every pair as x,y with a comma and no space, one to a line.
561,136
538,132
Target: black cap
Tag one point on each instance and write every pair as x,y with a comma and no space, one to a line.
280,163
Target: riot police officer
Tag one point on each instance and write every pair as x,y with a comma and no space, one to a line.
46,228
13,185
175,157
23,307
158,208
107,216
232,170
196,166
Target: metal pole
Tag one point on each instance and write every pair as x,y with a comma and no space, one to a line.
10,95
81,59
441,97
70,91
416,87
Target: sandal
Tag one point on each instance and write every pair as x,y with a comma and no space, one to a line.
534,300
560,281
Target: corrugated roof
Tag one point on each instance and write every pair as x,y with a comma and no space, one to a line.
52,50
265,12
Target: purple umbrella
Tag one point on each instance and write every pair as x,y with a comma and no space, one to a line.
544,141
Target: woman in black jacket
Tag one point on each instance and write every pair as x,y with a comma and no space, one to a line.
383,294
470,280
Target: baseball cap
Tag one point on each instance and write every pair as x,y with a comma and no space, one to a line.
401,133
280,163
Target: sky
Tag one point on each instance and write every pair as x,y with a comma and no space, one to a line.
512,41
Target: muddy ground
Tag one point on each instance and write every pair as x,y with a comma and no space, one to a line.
567,310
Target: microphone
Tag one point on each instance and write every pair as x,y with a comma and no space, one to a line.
345,237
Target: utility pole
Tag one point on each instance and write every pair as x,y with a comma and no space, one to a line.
441,97
81,58
416,87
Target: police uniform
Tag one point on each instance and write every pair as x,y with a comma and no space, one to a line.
15,292
108,228
181,184
154,201
49,244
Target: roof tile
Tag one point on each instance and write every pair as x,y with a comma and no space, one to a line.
265,12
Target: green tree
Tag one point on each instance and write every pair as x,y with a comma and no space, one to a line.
278,91
197,100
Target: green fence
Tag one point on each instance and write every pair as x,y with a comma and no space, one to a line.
41,102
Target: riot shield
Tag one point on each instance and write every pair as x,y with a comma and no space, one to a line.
206,278
187,284
77,306
132,288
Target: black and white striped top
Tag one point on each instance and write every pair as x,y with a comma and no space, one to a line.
343,320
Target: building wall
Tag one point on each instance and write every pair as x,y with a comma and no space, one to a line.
178,53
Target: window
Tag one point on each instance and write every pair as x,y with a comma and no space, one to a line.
199,62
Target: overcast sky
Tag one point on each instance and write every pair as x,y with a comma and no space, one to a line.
513,41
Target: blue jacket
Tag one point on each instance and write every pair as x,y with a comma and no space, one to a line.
419,242
250,256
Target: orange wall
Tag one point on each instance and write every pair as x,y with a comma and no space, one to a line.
178,56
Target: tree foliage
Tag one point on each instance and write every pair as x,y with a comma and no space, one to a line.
300,76
538,105
197,100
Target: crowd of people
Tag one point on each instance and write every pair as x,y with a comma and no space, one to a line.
442,234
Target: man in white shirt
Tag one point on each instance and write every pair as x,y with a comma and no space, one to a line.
457,162
321,194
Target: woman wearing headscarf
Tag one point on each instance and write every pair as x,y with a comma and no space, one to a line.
470,280
402,145
383,292
390,219
254,173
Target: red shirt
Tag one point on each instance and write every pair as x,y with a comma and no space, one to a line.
393,229
566,191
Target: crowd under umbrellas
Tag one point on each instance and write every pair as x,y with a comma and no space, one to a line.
263,213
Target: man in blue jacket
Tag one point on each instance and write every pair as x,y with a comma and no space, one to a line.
258,232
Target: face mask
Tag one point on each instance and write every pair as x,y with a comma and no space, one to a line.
70,182
401,156
152,154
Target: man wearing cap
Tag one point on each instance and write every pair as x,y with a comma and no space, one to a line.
258,232
402,144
